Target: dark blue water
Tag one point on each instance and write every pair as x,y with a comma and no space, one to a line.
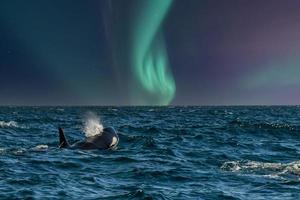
164,153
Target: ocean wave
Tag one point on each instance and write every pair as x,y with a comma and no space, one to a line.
266,169
4,124
22,151
2,151
136,140
158,152
141,129
262,125
13,151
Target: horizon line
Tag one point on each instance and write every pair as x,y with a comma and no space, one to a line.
177,105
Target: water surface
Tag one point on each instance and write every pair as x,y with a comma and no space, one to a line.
164,153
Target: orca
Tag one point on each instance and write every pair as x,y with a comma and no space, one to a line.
108,139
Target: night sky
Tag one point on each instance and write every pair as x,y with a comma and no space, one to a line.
149,52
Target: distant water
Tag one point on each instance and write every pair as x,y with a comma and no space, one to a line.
164,153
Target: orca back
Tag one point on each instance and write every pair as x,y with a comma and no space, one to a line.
108,139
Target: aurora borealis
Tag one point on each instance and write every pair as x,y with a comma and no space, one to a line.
149,52
149,56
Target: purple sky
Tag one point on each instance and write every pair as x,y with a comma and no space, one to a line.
220,52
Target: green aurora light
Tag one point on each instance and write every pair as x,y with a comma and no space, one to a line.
149,59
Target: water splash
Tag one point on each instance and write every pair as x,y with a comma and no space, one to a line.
92,125
149,55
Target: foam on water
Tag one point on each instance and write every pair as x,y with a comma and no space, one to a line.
2,151
4,124
41,147
92,125
268,169
18,152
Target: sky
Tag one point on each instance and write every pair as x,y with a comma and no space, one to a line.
149,52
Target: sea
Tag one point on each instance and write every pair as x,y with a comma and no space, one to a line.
164,152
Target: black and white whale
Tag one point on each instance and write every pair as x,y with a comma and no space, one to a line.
108,139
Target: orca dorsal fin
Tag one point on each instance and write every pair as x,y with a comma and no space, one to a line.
63,143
